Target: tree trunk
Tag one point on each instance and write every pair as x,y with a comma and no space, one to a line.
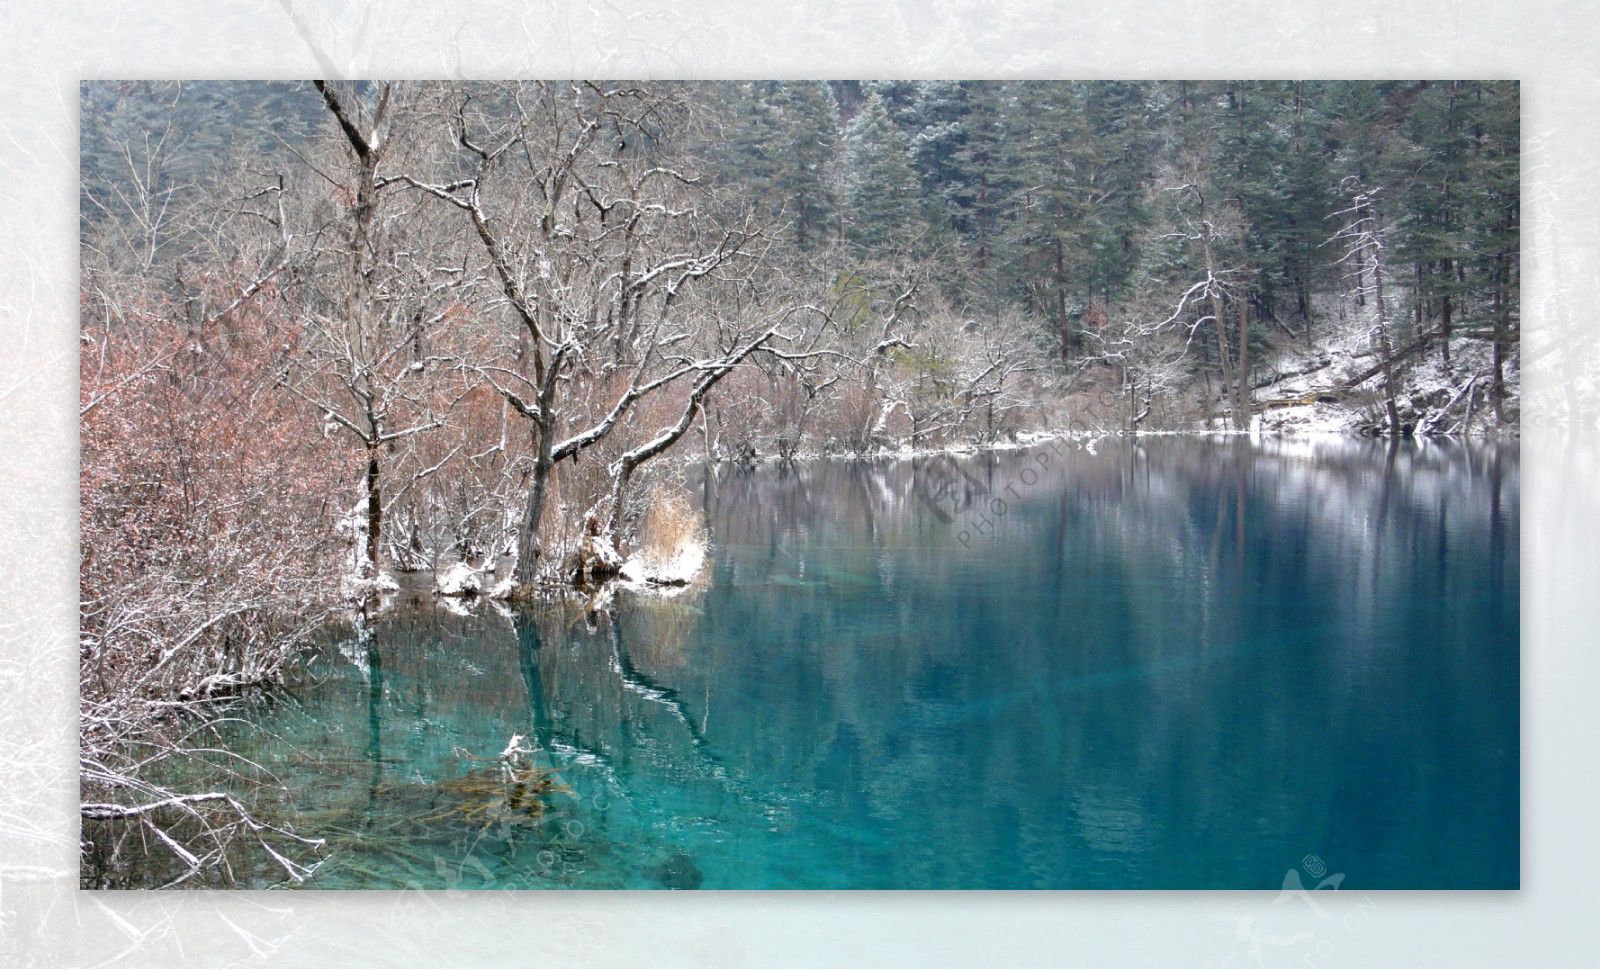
1127,402
1061,305
1385,348
981,219
1445,308
528,550
1446,267
620,480
1498,388
1242,397
1228,387
374,508
361,328
622,476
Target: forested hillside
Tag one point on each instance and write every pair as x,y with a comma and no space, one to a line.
443,294
1109,214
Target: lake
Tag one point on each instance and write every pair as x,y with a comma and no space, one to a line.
1161,663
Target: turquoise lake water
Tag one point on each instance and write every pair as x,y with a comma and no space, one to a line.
1170,663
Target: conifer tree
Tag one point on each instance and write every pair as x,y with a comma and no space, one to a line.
1053,147
881,187
984,170
804,172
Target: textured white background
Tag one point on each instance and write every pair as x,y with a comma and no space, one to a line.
1550,46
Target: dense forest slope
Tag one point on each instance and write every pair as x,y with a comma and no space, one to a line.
1118,219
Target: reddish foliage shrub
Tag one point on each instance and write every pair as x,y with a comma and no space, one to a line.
206,503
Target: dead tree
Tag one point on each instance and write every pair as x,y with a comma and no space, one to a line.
1214,229
1362,236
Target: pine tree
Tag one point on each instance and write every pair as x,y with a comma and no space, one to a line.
747,154
983,184
1307,195
900,100
1117,115
938,135
880,186
1053,149
1248,158
1495,210
1433,172
804,173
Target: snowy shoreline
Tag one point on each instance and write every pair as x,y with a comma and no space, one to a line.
1030,439
459,584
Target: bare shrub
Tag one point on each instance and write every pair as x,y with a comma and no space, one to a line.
207,558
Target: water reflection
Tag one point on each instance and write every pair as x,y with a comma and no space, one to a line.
1161,663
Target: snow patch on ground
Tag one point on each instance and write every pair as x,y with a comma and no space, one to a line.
642,571
356,587
1308,419
459,580
503,589
1429,398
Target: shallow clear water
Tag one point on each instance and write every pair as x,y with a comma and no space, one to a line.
1172,664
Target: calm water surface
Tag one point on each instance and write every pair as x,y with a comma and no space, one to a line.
1175,663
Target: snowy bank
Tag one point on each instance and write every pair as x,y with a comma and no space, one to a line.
459,580
356,587
679,568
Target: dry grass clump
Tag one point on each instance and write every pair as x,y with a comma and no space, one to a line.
671,526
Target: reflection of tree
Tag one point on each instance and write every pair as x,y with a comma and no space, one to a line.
645,687
374,750
915,673
527,634
1166,650
1497,528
